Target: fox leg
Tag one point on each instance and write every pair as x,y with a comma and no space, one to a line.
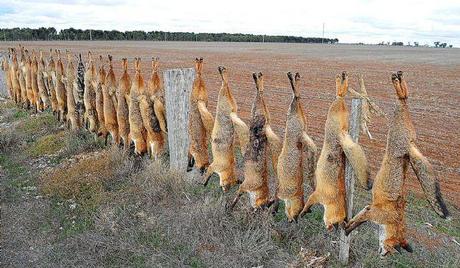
429,181
310,159
159,110
208,174
274,144
206,117
355,155
191,162
242,131
312,199
237,198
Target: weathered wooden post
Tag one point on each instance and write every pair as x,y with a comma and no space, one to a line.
178,85
3,89
354,130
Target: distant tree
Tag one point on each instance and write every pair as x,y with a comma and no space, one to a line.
416,44
397,44
43,33
443,45
436,44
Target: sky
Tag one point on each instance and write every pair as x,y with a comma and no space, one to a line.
350,21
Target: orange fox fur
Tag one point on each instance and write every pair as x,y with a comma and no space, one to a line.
14,74
34,83
61,95
222,137
110,104
200,123
330,170
28,81
72,116
136,128
149,108
296,145
261,140
42,82
389,191
98,84
89,96
51,74
123,92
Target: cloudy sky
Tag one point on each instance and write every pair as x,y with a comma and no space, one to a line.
369,21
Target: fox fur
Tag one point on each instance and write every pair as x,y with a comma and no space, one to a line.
389,191
42,82
149,108
27,69
98,84
61,94
34,83
137,131
70,83
123,93
222,137
110,104
51,74
296,145
330,170
14,74
200,122
256,155
79,92
89,96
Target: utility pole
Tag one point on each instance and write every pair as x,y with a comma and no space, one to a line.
322,39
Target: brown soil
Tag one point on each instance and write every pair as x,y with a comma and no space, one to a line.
432,75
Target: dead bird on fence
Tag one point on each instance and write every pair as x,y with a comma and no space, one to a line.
330,170
389,191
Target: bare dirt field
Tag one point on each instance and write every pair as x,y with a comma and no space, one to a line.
433,76
147,221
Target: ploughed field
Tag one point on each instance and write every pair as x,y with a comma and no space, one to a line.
433,76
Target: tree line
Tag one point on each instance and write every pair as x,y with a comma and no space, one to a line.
51,33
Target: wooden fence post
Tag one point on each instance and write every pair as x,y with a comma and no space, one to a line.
178,85
3,89
354,130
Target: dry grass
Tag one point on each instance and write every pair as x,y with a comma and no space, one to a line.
105,208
